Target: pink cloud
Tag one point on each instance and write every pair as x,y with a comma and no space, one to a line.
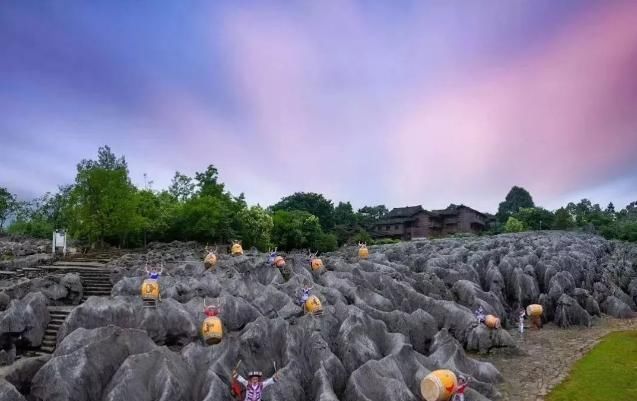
558,119
324,102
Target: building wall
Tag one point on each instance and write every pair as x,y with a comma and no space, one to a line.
468,219
419,228
423,225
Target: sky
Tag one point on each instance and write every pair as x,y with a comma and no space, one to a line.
397,103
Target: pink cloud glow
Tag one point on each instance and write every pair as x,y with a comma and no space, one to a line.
558,119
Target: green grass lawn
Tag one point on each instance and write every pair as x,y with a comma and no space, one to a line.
607,373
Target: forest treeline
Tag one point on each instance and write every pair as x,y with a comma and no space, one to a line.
103,207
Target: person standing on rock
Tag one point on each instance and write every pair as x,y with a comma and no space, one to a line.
305,293
480,314
458,392
521,320
254,386
153,274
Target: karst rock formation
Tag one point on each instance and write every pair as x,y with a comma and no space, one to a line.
388,320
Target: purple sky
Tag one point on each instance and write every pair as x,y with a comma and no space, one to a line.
401,103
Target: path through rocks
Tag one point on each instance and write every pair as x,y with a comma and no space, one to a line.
548,356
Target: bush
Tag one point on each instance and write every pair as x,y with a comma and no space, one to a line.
327,243
362,236
384,241
38,228
513,225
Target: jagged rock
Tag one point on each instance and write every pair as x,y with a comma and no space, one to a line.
169,323
470,295
21,373
25,262
483,339
561,283
448,353
8,392
387,322
26,318
570,313
158,374
73,285
7,352
84,363
586,301
51,288
616,307
4,301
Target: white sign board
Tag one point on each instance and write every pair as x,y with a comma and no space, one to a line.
59,241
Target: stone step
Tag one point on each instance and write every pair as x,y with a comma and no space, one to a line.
98,286
80,263
97,294
50,332
47,350
49,343
56,321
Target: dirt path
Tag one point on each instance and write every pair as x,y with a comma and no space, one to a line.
550,353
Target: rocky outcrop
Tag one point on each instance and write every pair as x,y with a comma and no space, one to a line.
8,392
26,319
387,322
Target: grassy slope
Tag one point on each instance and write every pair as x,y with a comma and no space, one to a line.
607,373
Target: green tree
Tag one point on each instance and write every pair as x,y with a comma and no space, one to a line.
312,203
103,200
153,216
347,223
513,225
256,227
296,230
563,220
326,243
535,218
30,219
208,182
516,199
7,205
205,219
181,187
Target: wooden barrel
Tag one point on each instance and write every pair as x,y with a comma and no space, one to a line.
363,253
492,322
313,305
534,310
236,250
438,385
316,264
210,260
279,262
212,330
150,289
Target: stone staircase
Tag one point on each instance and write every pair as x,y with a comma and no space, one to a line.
58,315
96,281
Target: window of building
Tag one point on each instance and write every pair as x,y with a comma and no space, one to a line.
386,227
396,227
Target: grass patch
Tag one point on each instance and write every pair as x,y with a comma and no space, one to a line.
607,373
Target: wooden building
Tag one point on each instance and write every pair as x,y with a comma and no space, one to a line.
415,222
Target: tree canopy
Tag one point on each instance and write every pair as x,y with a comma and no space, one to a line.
516,199
103,206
